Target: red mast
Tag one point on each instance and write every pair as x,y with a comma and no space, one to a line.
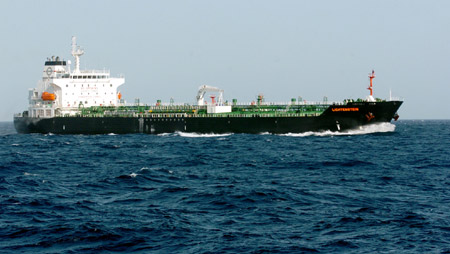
371,76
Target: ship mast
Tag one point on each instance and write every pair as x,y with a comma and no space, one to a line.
76,52
371,76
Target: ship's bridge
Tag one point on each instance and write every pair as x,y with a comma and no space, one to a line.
91,75
56,62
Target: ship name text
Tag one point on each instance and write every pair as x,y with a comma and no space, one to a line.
344,109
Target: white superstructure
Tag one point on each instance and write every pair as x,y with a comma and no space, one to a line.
64,92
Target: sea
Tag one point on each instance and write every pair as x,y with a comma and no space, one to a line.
380,189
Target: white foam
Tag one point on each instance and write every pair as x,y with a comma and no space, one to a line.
165,134
199,135
133,175
112,134
367,129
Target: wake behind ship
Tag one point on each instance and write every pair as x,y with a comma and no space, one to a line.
78,101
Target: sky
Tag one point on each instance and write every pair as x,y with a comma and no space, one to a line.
282,49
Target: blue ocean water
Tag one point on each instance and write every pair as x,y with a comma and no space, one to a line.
384,189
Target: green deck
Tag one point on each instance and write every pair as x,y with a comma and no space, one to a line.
201,111
263,110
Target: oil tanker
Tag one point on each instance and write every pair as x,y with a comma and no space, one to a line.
76,101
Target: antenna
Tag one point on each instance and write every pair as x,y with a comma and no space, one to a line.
76,52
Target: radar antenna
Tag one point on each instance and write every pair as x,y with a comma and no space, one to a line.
77,51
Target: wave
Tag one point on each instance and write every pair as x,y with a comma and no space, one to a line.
362,130
165,134
29,174
200,135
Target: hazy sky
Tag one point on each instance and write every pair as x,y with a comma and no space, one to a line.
282,49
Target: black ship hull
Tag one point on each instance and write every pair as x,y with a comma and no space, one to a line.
335,118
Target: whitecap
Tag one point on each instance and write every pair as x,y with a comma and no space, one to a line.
165,134
202,135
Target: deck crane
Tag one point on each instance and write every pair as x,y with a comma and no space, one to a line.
201,94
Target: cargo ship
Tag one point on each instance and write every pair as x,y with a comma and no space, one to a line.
77,101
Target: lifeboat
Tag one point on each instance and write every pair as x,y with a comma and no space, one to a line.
48,96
